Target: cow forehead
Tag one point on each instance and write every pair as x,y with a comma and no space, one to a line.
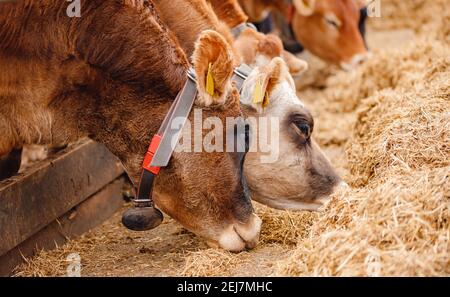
343,9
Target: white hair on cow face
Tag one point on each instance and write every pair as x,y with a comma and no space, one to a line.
305,177
274,79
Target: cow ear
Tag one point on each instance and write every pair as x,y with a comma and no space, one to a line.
305,7
257,92
213,64
296,65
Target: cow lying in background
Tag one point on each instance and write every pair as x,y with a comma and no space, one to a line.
112,75
304,177
330,29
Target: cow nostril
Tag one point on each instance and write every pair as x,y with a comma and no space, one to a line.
341,187
360,59
231,241
364,59
355,61
237,237
249,232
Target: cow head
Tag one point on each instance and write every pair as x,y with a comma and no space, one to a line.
329,29
257,49
301,177
205,192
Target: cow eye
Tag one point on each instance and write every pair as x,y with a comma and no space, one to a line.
304,128
302,123
247,137
333,21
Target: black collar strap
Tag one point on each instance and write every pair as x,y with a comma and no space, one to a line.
290,43
144,215
180,109
161,149
236,31
240,75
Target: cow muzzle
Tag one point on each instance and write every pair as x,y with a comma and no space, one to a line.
339,188
237,236
355,61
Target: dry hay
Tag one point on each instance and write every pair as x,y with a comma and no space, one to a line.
402,69
317,75
399,227
170,250
278,237
112,250
425,17
406,129
397,222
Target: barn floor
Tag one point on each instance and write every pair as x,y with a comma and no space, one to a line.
169,250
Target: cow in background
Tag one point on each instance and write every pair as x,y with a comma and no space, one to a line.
330,29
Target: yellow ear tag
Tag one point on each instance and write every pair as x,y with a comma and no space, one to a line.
257,93
266,100
210,81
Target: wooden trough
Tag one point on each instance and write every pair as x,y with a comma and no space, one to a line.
59,198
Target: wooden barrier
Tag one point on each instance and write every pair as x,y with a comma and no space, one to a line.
61,197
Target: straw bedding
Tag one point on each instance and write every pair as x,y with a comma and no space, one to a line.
395,219
391,117
423,16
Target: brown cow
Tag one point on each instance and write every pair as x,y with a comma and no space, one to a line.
112,75
308,177
327,28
